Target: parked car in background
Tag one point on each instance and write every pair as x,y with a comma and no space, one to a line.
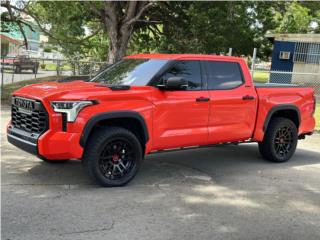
156,102
20,63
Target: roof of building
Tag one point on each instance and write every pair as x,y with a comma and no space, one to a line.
15,33
9,38
294,37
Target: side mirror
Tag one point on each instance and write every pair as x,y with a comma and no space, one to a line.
176,83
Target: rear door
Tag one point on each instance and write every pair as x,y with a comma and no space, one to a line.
233,102
181,116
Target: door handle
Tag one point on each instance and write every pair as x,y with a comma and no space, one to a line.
248,97
202,99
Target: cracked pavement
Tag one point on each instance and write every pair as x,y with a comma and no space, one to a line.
223,192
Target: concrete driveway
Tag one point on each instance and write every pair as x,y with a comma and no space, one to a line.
225,192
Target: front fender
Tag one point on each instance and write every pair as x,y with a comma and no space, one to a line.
112,115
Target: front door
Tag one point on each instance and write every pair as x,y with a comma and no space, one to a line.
181,117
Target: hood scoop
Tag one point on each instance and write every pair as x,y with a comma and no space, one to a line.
114,87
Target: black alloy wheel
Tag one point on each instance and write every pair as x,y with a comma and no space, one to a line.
280,140
283,141
117,159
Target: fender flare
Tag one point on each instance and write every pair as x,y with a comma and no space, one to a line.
111,115
278,108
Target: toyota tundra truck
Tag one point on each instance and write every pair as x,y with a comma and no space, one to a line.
149,103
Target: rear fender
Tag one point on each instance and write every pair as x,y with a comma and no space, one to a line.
262,128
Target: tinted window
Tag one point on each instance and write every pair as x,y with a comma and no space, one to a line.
136,72
189,70
223,75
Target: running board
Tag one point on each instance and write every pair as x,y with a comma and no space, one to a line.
196,147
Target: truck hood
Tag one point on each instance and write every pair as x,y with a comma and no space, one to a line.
74,90
54,89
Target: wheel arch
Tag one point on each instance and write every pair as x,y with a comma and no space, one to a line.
116,118
289,111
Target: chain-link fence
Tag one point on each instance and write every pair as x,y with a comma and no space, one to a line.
304,79
23,68
303,74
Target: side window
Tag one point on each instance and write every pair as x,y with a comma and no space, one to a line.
223,75
189,70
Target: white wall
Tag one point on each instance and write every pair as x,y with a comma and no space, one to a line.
306,68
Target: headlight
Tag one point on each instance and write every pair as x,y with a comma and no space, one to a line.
71,108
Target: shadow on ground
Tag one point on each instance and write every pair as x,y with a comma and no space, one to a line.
216,164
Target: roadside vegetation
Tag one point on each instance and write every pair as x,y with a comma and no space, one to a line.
317,116
8,89
161,26
53,67
261,77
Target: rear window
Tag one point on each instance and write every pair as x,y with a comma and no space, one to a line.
223,75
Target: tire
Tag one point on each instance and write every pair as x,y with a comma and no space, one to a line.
280,140
112,156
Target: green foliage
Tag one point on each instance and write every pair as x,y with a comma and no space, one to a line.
213,27
296,19
180,27
207,27
69,22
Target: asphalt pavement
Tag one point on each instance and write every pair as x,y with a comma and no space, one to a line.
223,192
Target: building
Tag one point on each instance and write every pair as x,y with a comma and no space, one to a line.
12,42
295,58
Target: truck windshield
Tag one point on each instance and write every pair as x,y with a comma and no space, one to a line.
134,72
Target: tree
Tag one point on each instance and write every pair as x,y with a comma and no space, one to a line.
296,19
213,27
118,20
11,20
109,30
207,27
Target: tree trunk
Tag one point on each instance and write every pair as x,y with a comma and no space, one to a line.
119,26
118,42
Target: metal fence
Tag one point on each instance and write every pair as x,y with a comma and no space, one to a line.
296,78
16,70
307,74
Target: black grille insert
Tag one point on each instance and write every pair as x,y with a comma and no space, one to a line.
29,115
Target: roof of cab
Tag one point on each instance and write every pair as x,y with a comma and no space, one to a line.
184,57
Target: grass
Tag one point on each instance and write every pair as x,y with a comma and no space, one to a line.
317,116
53,67
261,77
8,89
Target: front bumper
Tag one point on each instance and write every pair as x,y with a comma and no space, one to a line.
23,140
51,145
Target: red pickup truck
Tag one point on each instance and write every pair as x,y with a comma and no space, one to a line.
154,102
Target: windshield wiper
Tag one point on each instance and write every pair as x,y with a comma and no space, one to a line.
114,87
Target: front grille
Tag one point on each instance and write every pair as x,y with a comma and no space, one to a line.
29,115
